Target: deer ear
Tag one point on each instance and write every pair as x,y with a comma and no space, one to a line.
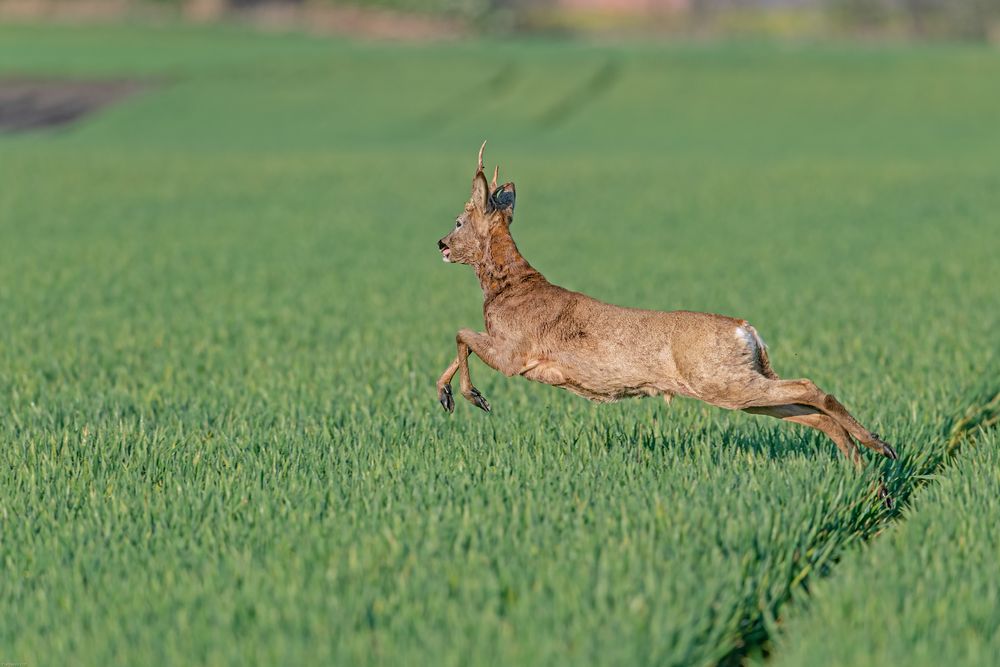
503,197
480,192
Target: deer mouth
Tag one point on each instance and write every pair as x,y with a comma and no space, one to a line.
445,251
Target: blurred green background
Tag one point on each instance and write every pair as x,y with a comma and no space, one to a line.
975,20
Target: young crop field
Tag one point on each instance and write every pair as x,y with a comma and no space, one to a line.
222,314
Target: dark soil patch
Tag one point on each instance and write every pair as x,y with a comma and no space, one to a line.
35,104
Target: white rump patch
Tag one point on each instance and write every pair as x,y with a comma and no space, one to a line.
749,335
756,347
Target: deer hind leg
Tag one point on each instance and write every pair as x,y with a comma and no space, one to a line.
773,393
813,418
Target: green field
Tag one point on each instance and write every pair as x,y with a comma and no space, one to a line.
222,313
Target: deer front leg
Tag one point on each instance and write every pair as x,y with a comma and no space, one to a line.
485,348
482,345
444,386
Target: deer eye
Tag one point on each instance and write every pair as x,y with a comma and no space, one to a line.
458,223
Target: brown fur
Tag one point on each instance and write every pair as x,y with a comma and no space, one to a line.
605,352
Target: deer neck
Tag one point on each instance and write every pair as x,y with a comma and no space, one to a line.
502,265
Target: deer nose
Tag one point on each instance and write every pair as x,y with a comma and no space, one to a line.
441,245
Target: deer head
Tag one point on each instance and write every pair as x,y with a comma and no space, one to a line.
489,210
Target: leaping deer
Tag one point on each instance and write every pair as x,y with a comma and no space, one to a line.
605,352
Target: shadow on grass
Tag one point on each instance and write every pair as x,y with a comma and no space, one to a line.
730,438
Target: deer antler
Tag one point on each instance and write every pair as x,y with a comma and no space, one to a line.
496,173
481,148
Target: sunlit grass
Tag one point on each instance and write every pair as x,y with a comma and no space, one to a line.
222,314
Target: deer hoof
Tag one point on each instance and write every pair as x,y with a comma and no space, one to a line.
883,493
887,450
478,400
447,401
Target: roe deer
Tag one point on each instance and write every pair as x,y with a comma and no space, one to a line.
605,352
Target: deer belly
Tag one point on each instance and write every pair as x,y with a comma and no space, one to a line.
546,372
597,382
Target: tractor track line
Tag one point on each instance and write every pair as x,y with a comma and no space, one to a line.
595,86
981,414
